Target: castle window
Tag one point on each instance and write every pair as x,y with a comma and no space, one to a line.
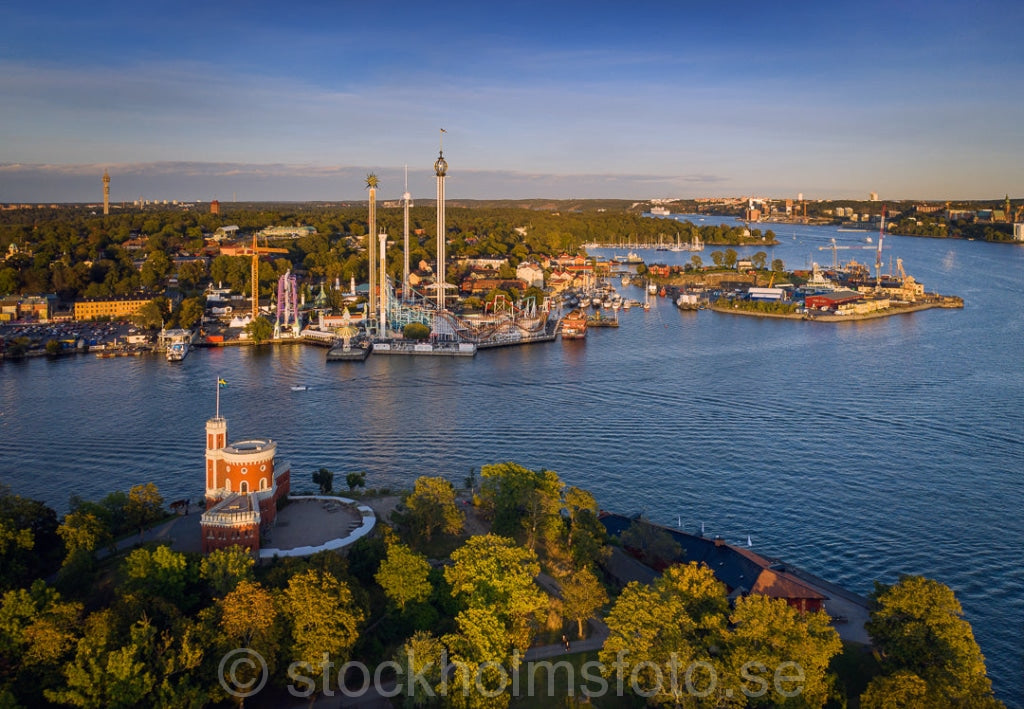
244,471
263,483
228,468
244,487
227,484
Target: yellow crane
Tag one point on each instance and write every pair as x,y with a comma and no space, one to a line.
257,250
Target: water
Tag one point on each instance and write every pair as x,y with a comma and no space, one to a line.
858,451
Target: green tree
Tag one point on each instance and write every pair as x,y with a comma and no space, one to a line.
586,533
191,274
259,330
778,266
153,314
420,656
415,331
697,261
506,492
145,505
29,544
249,618
404,575
729,258
718,258
83,533
900,690
542,514
770,640
582,597
493,572
432,507
759,259
324,620
354,480
159,573
105,673
38,630
224,569
659,632
324,479
155,269
918,626
190,312
476,650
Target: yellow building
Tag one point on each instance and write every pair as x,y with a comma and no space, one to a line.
863,307
112,308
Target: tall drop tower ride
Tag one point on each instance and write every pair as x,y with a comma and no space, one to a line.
407,202
440,169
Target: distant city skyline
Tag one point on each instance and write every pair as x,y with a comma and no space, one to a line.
563,100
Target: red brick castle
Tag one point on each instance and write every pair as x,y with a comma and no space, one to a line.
243,486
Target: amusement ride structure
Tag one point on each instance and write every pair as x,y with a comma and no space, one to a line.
392,306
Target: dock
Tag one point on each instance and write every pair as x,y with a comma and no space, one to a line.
596,320
426,349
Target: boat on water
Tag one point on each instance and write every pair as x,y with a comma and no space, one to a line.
695,245
633,257
177,351
688,301
299,387
574,325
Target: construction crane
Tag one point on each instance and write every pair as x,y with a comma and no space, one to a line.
878,256
257,250
899,269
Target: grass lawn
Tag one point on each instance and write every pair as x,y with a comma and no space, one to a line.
855,666
564,672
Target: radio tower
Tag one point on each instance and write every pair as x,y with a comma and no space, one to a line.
407,199
106,193
440,169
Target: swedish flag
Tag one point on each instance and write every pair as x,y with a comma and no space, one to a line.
221,383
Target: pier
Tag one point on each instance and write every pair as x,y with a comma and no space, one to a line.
427,349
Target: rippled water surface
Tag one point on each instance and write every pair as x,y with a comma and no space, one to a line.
859,451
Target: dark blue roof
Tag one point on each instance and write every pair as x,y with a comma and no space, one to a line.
736,570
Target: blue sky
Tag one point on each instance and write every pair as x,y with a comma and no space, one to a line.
188,100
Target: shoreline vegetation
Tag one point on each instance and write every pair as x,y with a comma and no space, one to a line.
483,576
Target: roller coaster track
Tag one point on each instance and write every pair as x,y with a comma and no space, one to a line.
505,323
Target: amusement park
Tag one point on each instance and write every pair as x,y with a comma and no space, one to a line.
382,327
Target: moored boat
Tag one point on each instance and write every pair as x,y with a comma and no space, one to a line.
574,325
177,351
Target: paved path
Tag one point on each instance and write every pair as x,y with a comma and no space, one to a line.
180,532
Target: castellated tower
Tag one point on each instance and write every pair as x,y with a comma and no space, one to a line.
242,489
